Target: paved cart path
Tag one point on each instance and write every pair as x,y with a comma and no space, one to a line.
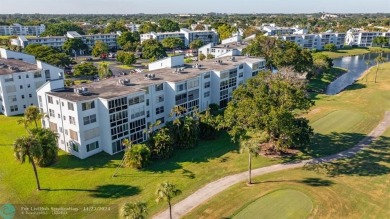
211,189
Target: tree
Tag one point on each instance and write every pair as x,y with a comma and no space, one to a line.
28,147
225,31
47,140
126,58
380,59
152,49
250,31
270,103
209,125
85,69
49,55
167,25
165,192
148,27
32,114
262,46
251,146
74,46
134,210
60,29
289,54
172,43
199,27
136,156
99,48
104,70
196,44
381,40
115,26
160,142
330,47
127,37
321,63
202,57
210,56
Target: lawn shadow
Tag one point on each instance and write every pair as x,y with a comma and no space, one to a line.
371,161
100,160
314,181
355,86
105,191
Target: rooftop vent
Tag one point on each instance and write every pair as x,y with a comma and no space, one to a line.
150,76
82,91
124,82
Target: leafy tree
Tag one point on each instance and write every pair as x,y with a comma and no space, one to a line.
49,55
126,58
250,31
47,140
74,45
321,63
99,48
225,31
167,25
115,26
380,59
381,40
28,147
58,59
32,114
196,44
134,210
172,43
289,54
148,27
330,47
152,49
199,27
262,46
269,103
165,192
210,56
104,70
136,156
85,69
202,57
127,37
60,29
209,125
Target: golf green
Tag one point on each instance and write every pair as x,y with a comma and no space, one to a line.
285,203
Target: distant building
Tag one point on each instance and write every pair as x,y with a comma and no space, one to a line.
17,29
20,76
329,16
186,35
273,30
315,41
361,38
133,27
98,116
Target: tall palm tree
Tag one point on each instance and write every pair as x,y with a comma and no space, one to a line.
251,146
380,59
28,147
31,115
135,210
165,192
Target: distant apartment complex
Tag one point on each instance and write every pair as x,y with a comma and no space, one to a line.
273,30
232,46
20,76
133,27
17,29
358,37
206,36
58,41
98,116
315,41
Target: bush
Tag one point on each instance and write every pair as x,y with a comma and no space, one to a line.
137,156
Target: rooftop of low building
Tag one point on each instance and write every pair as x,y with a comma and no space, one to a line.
10,66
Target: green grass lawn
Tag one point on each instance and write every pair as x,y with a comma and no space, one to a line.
352,51
286,203
319,83
352,188
126,67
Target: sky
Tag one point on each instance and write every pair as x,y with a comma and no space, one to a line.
191,6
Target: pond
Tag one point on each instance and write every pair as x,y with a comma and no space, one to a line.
356,66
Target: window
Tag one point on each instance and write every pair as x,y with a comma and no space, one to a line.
206,75
73,135
50,99
241,75
207,84
159,87
27,76
70,106
59,116
64,118
20,77
30,95
159,110
72,120
37,74
135,113
22,96
136,100
47,74
89,119
181,87
207,94
8,78
92,146
14,108
74,146
162,120
21,86
28,85
51,113
160,98
192,84
147,102
88,105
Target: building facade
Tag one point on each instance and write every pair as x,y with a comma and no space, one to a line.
20,76
100,115
360,38
315,41
17,29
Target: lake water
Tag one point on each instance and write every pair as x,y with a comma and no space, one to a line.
355,65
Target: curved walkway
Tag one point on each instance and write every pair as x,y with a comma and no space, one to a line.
203,194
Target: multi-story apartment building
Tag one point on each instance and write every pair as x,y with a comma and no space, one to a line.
273,30
315,41
17,29
133,27
58,41
98,116
186,35
358,37
20,76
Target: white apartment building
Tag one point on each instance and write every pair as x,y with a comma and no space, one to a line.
133,27
20,76
58,41
186,35
315,41
358,37
17,29
273,30
223,50
98,116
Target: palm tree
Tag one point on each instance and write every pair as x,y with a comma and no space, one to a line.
252,147
135,210
28,147
165,192
31,114
47,140
380,59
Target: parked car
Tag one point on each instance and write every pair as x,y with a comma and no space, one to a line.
89,59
